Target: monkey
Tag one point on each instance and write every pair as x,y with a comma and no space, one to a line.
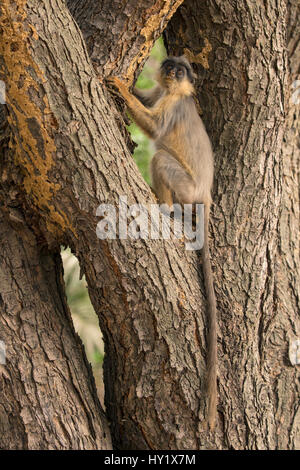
182,168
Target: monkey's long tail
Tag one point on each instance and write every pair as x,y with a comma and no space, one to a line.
212,334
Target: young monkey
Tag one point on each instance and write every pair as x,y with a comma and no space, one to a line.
182,167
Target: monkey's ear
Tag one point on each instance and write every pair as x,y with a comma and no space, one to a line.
184,60
194,75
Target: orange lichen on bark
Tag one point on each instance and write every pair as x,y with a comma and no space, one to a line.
181,298
202,57
158,13
33,150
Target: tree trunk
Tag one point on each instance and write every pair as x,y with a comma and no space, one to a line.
68,156
146,293
48,397
244,92
119,39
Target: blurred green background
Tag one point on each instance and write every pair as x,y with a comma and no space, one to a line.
84,318
145,148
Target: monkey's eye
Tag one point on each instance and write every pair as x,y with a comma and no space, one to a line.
179,73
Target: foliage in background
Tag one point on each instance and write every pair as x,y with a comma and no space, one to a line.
84,317
85,320
145,149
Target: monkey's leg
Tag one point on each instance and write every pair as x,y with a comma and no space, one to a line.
168,175
162,192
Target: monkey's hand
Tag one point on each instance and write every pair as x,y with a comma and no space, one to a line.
120,86
141,115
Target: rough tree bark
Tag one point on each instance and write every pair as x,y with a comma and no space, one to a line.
66,156
72,157
244,91
119,39
48,398
47,393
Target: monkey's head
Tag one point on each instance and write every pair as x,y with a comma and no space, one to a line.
176,74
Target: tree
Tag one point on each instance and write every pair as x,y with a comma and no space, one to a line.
64,150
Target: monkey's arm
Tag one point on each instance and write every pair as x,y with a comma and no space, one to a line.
141,115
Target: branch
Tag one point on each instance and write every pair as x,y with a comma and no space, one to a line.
146,293
119,39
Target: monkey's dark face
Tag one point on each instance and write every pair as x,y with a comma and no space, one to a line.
176,69
173,71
